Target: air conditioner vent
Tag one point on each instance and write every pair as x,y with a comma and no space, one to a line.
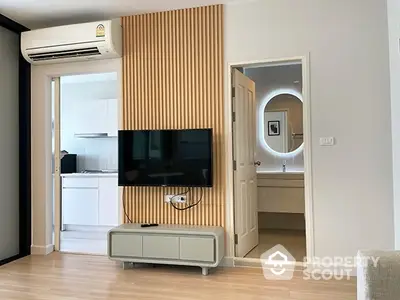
64,54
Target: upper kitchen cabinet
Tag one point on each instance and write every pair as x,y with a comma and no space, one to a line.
90,116
96,117
89,104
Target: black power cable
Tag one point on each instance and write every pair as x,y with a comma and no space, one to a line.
172,204
189,206
123,205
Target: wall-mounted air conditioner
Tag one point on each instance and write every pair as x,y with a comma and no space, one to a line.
78,42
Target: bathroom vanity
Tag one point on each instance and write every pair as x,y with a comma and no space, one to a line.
281,192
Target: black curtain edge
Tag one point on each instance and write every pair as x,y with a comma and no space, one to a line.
25,206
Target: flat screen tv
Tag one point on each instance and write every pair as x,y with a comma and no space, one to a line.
165,158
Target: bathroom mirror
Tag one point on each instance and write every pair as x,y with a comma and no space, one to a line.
283,123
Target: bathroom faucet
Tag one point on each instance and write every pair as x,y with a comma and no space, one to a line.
284,166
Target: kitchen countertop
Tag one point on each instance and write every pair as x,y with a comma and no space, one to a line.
89,175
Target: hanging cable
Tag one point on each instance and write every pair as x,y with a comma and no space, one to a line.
123,205
189,206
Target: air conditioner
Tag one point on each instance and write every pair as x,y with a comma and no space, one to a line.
78,42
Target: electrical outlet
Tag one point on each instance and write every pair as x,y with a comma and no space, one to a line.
175,198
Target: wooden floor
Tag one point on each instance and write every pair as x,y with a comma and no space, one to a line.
72,277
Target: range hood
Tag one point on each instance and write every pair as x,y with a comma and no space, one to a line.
93,135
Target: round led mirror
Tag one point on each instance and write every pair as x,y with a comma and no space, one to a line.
282,123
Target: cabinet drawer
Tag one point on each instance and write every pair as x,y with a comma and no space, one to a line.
197,248
157,246
80,182
281,200
126,245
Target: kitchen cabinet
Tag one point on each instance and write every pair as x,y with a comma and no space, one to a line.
90,116
108,201
90,200
97,116
80,206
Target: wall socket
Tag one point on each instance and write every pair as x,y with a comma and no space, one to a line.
175,198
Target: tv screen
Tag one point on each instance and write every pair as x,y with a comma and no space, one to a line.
165,158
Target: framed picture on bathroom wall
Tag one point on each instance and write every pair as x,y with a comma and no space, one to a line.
274,128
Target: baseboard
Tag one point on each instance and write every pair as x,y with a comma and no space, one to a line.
42,250
337,270
227,262
311,271
11,259
257,263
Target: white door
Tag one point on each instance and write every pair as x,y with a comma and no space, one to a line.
245,176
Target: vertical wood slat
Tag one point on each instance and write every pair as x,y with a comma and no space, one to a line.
173,79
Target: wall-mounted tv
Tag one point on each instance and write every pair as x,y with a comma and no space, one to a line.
165,158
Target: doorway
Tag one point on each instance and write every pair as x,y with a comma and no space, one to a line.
85,145
271,159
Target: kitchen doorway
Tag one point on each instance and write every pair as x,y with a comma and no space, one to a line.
85,182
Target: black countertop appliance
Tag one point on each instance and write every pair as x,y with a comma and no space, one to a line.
68,163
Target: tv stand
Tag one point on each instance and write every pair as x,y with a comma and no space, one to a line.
201,246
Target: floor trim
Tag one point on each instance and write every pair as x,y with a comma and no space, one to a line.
42,250
10,259
256,263
227,262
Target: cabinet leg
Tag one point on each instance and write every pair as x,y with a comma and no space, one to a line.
126,265
204,271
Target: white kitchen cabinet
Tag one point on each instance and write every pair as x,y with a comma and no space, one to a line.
108,201
80,206
90,200
97,116
91,116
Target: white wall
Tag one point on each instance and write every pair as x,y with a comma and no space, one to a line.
393,10
92,154
350,100
267,80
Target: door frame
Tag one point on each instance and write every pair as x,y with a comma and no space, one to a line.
42,200
57,212
307,139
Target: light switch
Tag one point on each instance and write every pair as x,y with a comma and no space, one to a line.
327,141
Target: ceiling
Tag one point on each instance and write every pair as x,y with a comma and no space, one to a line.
46,13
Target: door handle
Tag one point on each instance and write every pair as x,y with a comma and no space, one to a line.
257,163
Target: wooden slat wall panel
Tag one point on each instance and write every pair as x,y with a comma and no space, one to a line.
173,79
